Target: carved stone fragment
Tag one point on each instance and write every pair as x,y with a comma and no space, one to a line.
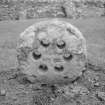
51,50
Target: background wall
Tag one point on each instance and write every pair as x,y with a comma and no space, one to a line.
29,9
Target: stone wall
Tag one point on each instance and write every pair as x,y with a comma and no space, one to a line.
25,9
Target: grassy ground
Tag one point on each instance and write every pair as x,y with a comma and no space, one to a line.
92,28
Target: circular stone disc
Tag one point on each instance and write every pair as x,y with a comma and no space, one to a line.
52,49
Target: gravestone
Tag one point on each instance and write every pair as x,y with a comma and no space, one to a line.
52,50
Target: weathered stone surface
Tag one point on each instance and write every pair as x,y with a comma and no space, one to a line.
70,8
52,50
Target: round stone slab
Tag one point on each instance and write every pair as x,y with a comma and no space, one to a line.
53,50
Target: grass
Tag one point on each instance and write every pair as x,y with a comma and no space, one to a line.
93,30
